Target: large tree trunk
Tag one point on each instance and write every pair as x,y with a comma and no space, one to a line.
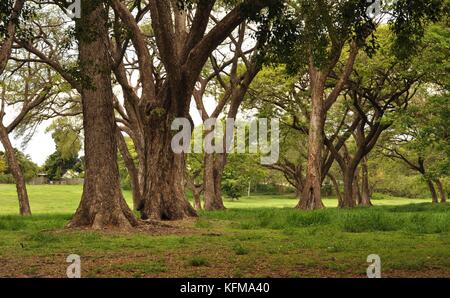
434,196
348,200
365,188
212,181
311,198
164,192
24,204
102,204
441,190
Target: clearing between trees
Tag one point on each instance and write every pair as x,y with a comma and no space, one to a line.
260,236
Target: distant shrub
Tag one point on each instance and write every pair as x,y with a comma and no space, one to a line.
233,188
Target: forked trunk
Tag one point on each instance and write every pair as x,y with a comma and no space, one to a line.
164,193
102,203
441,190
434,196
311,198
16,171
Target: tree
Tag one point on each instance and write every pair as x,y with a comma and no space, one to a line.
184,45
102,204
420,136
243,68
241,171
10,18
56,166
381,86
10,12
29,89
321,31
66,133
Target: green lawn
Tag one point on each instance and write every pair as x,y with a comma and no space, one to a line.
261,236
45,199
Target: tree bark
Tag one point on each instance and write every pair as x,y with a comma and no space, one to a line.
441,190
16,171
434,196
212,181
102,204
365,188
132,171
6,46
348,200
356,188
336,188
164,195
196,192
311,198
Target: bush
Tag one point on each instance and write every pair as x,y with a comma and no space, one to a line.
233,188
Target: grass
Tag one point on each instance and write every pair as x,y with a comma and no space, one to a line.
261,236
51,199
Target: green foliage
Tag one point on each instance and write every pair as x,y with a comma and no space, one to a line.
310,28
66,135
123,172
233,188
56,166
3,165
28,167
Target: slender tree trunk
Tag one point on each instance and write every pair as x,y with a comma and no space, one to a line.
336,188
164,193
132,171
441,190
365,188
311,198
16,171
102,204
196,192
298,192
434,196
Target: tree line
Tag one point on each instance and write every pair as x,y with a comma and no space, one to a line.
345,83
